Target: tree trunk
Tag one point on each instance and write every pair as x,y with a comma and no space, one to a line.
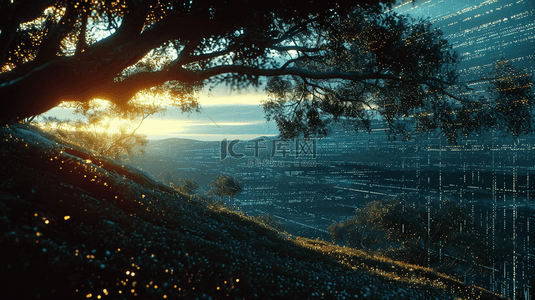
34,93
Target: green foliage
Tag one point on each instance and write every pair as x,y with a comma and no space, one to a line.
118,146
410,66
408,232
111,50
110,130
405,74
188,186
225,185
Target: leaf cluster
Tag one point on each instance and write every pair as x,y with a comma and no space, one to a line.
404,73
408,66
415,232
225,185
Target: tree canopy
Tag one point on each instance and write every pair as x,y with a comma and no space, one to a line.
225,185
79,50
441,234
414,87
328,60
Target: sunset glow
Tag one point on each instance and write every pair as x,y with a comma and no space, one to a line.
227,98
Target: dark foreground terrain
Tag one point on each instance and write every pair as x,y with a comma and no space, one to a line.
78,226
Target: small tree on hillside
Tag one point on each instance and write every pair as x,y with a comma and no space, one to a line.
225,185
188,186
411,231
95,130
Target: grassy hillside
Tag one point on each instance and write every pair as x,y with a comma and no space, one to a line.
78,226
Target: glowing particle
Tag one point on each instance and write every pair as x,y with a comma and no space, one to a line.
89,295
66,218
237,280
105,291
88,161
127,272
47,221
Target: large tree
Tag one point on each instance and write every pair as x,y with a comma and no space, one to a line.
79,50
328,60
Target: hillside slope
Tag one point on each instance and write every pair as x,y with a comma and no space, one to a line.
77,226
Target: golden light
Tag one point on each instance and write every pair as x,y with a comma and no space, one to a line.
162,127
66,218
236,99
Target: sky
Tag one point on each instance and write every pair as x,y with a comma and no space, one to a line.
480,31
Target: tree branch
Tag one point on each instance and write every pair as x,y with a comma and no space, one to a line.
82,43
252,71
301,58
136,82
292,32
296,48
52,41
